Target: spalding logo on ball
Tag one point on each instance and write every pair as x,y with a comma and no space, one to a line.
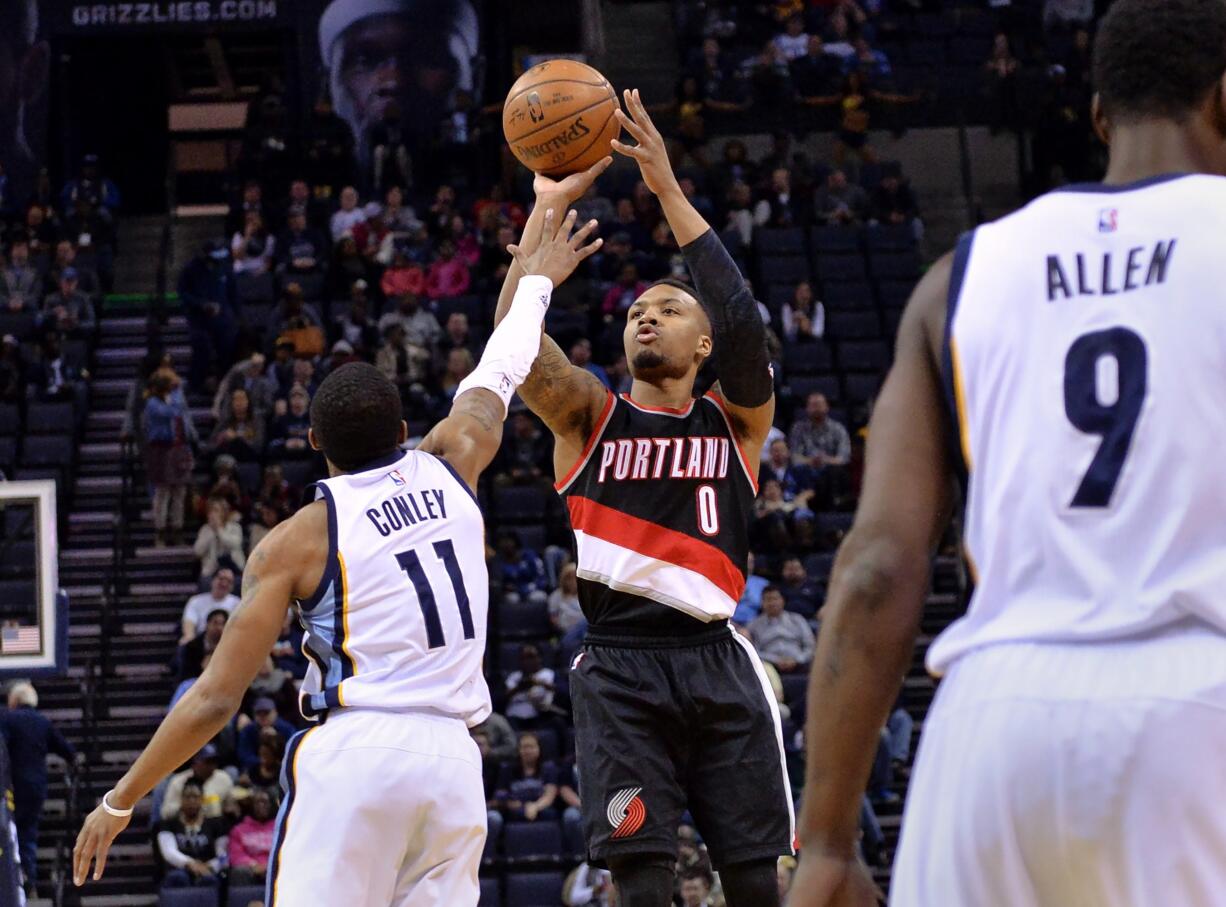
558,117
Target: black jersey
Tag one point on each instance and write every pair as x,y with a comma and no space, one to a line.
660,503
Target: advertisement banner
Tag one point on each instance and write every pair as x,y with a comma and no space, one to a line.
83,19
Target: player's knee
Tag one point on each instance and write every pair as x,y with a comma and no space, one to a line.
643,879
751,884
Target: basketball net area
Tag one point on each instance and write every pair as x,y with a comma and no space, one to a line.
33,610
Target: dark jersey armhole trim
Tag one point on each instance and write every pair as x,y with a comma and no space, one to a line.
333,568
736,442
602,422
451,469
949,374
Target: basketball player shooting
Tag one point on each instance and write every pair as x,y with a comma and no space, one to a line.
672,708
1076,352
384,802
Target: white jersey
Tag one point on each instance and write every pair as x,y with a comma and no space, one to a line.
1086,358
399,619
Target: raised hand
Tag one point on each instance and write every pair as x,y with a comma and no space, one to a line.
650,152
559,251
572,186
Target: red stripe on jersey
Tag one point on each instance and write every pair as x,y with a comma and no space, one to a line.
684,411
658,542
601,421
736,442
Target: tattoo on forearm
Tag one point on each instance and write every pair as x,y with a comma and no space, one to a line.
484,408
557,391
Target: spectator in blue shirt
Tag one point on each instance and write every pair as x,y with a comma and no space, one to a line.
522,571
266,717
89,183
750,604
30,736
581,356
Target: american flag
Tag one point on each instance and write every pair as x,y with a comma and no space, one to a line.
20,641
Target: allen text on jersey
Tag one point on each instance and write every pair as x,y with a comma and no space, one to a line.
1116,272
408,509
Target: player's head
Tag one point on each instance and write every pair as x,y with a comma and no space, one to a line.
356,417
668,334
1164,62
23,73
406,56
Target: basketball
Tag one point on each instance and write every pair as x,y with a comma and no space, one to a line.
558,117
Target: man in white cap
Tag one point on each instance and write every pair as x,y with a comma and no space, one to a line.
409,55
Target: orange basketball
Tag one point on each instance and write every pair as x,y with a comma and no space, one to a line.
558,117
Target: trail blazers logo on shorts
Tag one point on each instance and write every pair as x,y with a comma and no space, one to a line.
626,812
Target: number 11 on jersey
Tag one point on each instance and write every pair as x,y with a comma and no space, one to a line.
410,563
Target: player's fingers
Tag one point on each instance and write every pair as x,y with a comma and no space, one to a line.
641,116
590,249
100,861
81,855
630,126
634,151
567,225
516,253
580,236
597,168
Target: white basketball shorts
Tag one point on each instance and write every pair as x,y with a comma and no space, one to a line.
381,809
1072,775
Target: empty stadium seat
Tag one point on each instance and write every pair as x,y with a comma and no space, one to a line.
49,418
778,294
20,324
896,265
842,295
300,473
534,889
520,503
490,896
807,358
525,620
894,293
188,897
532,840
861,388
830,521
783,269
534,536
840,267
802,386
795,688
242,895
835,240
779,241
863,325
10,420
249,475
818,566
47,450
889,237
864,355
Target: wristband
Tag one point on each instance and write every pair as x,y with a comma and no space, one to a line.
112,811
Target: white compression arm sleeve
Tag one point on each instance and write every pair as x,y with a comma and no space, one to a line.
514,345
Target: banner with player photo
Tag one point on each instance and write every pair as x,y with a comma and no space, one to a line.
395,71
25,61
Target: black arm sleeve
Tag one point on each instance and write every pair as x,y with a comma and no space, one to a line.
742,363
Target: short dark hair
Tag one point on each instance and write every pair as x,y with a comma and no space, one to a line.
770,587
193,784
356,415
1159,59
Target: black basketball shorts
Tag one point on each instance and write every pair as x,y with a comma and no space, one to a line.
665,725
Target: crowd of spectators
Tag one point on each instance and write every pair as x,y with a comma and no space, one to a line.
56,260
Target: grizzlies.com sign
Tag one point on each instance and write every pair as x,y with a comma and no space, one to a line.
91,16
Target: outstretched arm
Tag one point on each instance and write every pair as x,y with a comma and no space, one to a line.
746,386
876,595
286,565
469,437
566,398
